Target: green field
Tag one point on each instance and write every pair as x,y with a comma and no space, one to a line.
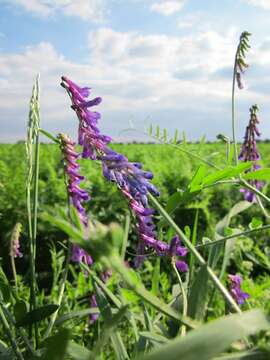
173,170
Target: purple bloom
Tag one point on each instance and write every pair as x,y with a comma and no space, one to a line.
235,289
81,256
89,135
249,151
181,266
175,249
131,179
76,194
93,304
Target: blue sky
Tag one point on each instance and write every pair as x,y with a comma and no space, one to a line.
165,62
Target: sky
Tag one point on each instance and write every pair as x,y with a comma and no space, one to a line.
162,62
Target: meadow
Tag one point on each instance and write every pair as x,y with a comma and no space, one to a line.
173,171
134,251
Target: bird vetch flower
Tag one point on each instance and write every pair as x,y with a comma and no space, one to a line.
235,289
249,151
76,194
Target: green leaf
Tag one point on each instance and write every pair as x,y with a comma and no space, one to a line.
197,180
76,315
261,174
216,250
49,136
226,173
5,290
229,246
56,346
78,352
255,223
5,352
246,355
155,277
198,295
213,338
71,231
111,321
20,310
154,338
37,315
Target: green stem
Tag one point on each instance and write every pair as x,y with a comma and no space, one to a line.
233,109
66,269
256,191
49,136
14,272
264,211
117,265
244,233
61,291
184,295
8,333
178,147
35,209
125,237
227,296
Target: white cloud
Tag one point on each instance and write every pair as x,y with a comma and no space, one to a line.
85,9
136,75
167,7
264,4
189,21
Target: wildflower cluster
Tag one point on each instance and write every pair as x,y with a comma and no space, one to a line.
240,64
131,179
249,150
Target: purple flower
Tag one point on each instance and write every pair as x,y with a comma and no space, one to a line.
130,178
133,182
175,249
235,289
81,256
89,135
93,304
181,266
76,194
249,151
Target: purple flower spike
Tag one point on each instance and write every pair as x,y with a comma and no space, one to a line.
76,194
235,289
15,241
130,178
249,151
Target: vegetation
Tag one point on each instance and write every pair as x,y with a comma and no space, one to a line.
179,293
